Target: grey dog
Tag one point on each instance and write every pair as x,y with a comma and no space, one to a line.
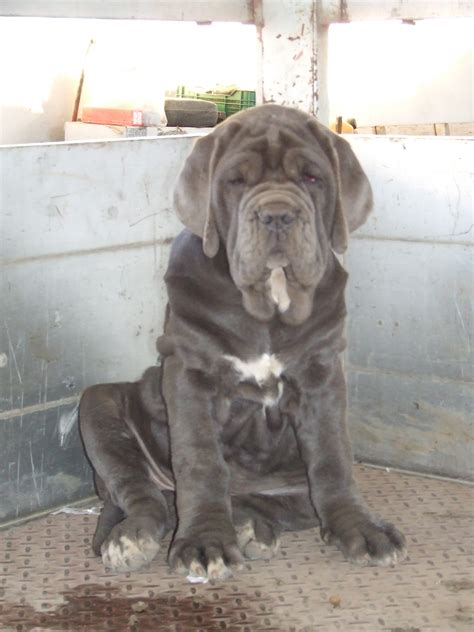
241,433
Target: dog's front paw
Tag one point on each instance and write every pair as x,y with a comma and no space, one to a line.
205,552
363,539
132,544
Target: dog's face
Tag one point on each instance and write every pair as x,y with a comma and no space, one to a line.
279,191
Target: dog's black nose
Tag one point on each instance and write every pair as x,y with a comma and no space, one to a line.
276,220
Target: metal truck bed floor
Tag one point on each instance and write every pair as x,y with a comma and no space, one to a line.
50,579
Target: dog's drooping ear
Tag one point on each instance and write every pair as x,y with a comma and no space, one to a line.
192,195
354,200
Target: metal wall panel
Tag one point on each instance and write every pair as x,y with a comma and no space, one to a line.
38,467
86,230
422,187
411,308
410,326
412,422
82,301
88,196
71,321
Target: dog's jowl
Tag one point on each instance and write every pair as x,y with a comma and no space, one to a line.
241,433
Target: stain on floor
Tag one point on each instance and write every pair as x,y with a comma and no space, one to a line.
50,579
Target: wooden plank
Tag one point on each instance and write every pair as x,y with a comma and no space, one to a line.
421,129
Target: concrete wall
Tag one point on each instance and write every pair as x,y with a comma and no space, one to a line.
84,242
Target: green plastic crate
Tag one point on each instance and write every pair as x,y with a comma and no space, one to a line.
226,103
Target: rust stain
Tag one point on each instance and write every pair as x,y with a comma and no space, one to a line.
344,13
51,581
94,607
257,15
456,585
40,350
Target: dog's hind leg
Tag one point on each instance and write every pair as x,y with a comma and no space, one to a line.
109,517
259,520
123,452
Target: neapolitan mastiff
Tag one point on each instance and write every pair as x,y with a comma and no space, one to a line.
241,433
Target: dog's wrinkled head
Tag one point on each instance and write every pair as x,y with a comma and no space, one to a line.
279,191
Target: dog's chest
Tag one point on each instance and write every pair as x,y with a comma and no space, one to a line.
254,432
257,379
260,368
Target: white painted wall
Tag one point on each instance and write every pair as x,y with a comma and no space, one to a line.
393,73
45,57
379,73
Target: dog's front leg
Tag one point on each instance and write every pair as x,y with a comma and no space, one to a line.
325,448
205,542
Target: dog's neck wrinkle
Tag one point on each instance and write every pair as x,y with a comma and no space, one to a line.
334,273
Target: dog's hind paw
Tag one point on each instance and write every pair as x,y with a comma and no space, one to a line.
132,544
262,545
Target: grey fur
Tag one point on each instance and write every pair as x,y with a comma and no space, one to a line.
248,456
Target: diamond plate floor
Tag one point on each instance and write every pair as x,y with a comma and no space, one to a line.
50,579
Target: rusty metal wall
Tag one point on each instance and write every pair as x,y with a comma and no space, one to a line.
84,242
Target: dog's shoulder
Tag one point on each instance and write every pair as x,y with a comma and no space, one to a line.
186,257
191,273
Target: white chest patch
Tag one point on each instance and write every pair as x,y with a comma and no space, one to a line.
278,289
260,369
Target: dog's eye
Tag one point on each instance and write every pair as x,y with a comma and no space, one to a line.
237,180
309,178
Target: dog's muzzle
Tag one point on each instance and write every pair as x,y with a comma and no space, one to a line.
280,210
276,206
277,216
